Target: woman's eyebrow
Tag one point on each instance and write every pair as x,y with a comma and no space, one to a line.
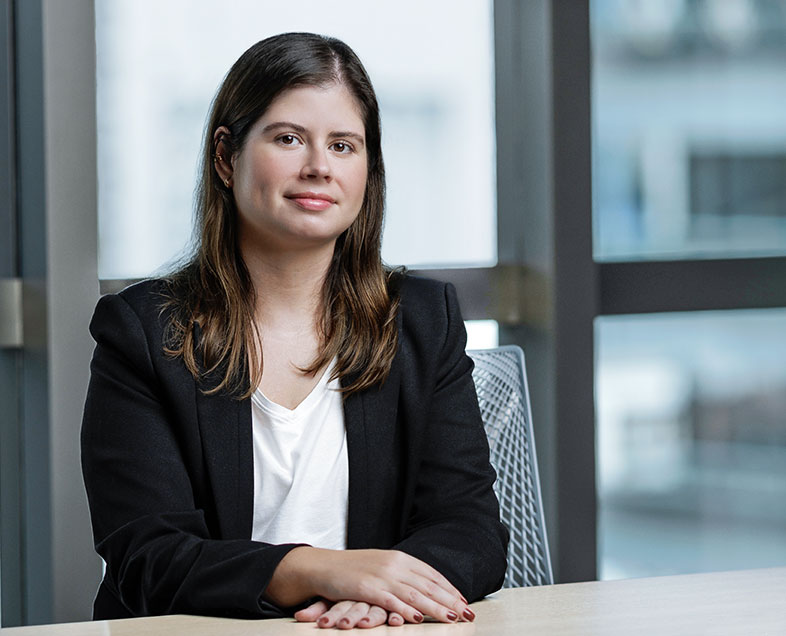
358,138
284,124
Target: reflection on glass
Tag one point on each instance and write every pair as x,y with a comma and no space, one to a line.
689,149
159,63
691,442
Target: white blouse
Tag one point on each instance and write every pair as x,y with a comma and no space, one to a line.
301,469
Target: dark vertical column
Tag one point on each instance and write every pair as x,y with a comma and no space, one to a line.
545,227
576,293
7,174
10,441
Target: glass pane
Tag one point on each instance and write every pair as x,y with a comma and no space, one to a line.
691,442
689,146
482,334
159,64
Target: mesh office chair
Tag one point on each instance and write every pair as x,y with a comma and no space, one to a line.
501,383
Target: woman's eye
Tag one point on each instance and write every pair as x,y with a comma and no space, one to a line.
288,140
342,147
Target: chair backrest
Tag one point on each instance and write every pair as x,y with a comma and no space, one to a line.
501,384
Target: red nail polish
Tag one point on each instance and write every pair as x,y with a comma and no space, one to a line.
418,617
452,616
469,614
463,599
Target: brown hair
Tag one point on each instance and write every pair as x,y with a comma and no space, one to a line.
214,290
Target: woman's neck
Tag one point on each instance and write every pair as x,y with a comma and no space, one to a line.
288,285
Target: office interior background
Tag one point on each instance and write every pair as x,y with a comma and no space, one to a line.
604,181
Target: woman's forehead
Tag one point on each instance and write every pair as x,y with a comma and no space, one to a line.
326,104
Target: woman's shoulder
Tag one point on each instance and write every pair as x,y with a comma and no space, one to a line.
427,306
415,290
146,294
420,294
140,304
144,298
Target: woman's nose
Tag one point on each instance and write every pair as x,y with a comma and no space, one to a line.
316,165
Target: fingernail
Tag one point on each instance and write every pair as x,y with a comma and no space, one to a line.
469,614
344,622
364,621
452,616
463,599
418,617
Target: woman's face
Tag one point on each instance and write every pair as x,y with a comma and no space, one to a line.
300,179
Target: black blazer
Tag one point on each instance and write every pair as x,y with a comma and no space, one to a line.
169,471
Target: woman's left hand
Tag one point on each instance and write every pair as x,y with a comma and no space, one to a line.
347,614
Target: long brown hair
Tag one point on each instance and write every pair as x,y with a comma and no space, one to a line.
213,293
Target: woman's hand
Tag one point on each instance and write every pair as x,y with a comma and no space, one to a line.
388,579
347,614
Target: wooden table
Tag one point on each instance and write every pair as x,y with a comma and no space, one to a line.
751,602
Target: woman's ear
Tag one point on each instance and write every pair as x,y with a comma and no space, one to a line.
222,155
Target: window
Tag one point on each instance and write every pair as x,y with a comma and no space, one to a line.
675,84
159,64
689,160
691,442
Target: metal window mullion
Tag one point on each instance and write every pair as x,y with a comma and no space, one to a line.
11,578
692,285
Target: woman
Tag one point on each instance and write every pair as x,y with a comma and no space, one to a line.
283,424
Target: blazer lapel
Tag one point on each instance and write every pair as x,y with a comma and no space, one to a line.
225,427
227,448
370,421
357,507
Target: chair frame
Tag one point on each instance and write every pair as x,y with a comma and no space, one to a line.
519,525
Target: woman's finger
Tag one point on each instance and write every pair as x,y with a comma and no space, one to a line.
312,612
354,615
331,618
434,577
395,619
413,597
391,602
430,583
376,616
424,590
453,603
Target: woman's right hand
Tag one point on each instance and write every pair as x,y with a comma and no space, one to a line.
392,580
346,615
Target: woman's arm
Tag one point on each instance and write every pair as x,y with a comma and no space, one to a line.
141,457
454,523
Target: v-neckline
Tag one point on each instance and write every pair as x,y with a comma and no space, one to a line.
313,396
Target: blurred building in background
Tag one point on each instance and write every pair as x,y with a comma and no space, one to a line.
689,161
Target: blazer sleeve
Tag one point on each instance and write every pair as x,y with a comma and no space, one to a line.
161,557
454,525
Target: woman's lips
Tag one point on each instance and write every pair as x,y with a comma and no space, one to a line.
313,201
